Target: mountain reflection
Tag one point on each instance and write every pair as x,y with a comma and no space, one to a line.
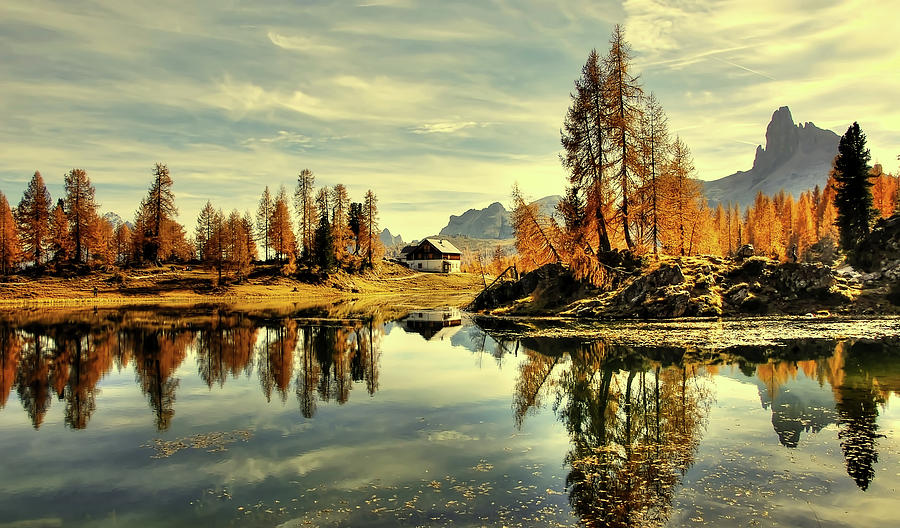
68,359
635,416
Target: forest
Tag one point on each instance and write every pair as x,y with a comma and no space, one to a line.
632,185
332,232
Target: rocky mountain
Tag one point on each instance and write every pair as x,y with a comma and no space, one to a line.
390,240
492,222
796,158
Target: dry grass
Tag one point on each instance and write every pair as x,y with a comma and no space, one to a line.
155,286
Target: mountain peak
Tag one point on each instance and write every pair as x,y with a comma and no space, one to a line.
795,158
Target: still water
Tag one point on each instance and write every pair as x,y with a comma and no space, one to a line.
210,417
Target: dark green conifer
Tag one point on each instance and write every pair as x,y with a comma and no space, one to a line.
853,197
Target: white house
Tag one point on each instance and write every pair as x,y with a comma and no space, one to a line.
434,254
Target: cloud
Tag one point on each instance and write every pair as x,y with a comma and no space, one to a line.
444,128
421,103
303,43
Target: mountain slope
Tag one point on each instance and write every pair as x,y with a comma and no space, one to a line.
493,221
796,158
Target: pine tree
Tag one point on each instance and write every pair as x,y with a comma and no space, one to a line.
355,223
625,94
80,209
682,201
263,215
247,226
204,231
33,218
655,143
10,248
853,198
157,208
370,225
60,242
281,233
584,138
324,243
535,237
304,203
340,228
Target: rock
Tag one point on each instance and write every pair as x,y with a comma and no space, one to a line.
745,251
705,306
799,279
636,292
754,266
669,302
737,294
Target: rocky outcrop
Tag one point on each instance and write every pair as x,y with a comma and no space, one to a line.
550,285
682,287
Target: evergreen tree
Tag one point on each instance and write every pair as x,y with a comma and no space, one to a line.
340,229
370,227
203,234
584,139
263,215
625,94
325,244
281,234
853,190
655,145
355,223
33,218
80,209
157,208
304,203
60,242
10,249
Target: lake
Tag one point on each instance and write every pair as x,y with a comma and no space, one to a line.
208,416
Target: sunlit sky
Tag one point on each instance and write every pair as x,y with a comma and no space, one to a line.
438,106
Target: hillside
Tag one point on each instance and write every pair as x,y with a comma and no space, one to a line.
492,222
796,158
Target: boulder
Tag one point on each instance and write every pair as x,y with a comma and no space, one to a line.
636,292
800,279
745,251
666,303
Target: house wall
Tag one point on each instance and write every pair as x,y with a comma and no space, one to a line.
433,265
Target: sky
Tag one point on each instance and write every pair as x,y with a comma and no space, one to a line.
438,106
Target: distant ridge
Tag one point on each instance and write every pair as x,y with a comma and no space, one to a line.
796,158
493,221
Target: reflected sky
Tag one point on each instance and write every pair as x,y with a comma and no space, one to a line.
156,420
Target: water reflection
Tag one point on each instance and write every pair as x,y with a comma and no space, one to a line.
315,361
634,426
634,416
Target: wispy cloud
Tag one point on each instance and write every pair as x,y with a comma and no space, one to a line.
419,101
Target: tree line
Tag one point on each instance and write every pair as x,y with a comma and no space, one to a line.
333,232
632,186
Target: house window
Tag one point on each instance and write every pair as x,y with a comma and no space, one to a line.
420,265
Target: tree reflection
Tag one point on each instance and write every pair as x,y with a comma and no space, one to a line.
225,348
158,354
275,358
634,427
68,356
10,348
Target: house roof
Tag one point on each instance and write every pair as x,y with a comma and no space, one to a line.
442,245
